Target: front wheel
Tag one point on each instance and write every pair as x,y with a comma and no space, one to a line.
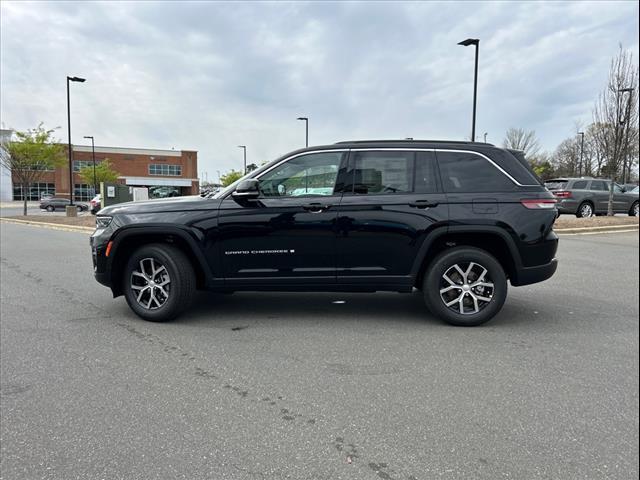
50,208
159,282
465,286
633,211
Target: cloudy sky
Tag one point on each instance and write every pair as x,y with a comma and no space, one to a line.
210,76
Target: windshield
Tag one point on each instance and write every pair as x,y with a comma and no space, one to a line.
230,188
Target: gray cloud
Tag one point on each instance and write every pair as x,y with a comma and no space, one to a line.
210,76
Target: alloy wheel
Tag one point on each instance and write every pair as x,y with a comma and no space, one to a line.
586,210
466,288
151,284
635,210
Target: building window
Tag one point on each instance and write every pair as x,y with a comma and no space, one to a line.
44,168
83,191
165,170
35,192
80,164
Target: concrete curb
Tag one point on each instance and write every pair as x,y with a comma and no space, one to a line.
604,229
52,226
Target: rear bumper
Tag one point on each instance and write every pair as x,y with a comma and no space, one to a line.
567,206
539,273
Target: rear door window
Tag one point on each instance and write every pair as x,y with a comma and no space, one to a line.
465,172
426,177
376,173
599,185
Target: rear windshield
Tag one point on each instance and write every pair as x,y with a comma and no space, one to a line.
556,184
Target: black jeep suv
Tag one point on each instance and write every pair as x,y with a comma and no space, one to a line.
453,219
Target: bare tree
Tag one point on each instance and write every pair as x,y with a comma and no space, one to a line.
615,116
567,157
519,139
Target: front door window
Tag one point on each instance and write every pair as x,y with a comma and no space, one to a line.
307,175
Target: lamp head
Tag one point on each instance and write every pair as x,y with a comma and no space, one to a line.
469,41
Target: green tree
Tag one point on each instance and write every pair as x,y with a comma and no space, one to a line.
544,170
30,156
104,173
230,177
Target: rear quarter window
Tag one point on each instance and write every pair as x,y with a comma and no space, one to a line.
581,185
464,172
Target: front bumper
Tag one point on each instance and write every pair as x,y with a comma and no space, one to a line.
98,242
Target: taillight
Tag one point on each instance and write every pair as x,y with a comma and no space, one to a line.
539,203
562,194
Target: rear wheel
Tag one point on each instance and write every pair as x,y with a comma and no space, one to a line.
50,208
465,286
585,210
159,282
633,211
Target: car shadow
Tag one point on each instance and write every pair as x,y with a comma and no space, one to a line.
307,308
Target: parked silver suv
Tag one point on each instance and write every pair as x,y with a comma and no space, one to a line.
586,197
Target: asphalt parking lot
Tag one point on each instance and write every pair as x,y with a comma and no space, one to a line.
278,386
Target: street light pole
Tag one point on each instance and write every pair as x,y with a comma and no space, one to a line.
244,148
93,153
581,152
306,130
485,137
466,43
70,79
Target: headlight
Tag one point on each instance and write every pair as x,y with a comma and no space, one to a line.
103,222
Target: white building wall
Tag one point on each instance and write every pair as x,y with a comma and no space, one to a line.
6,188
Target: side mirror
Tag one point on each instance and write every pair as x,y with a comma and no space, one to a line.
247,189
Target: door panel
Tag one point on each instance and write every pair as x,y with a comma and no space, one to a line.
278,238
380,231
287,235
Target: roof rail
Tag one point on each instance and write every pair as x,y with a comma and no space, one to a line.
411,140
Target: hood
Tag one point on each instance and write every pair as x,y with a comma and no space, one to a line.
175,204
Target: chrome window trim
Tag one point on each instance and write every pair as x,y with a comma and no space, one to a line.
310,152
447,150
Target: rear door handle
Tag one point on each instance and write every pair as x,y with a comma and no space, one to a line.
422,204
315,207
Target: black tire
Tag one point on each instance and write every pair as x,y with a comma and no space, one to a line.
181,286
583,210
50,208
79,208
434,280
633,211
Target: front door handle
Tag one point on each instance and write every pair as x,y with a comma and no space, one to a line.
423,204
315,207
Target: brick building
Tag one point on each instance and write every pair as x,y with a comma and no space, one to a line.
164,172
